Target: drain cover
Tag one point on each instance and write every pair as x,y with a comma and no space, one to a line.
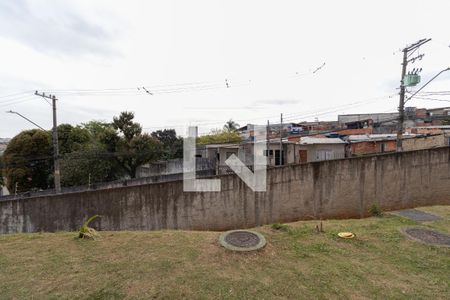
242,240
428,236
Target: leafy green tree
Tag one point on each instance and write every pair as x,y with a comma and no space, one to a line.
220,137
172,145
230,126
72,138
28,161
132,148
88,165
86,157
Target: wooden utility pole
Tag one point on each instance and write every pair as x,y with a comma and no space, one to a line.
57,174
401,106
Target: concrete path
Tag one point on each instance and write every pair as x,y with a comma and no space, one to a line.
417,215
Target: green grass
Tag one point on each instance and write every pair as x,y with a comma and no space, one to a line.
297,263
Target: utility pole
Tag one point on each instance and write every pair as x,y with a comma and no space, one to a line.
401,106
267,144
57,174
281,140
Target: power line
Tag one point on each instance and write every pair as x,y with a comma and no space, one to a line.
163,88
291,116
28,98
431,99
15,94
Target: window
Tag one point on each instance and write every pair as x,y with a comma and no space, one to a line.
268,151
382,147
228,154
279,160
324,155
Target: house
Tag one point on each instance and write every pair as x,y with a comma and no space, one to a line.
275,153
310,149
384,123
445,129
380,122
218,152
426,142
371,144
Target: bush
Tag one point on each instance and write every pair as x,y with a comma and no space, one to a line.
280,227
375,211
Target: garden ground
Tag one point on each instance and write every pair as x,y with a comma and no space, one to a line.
297,262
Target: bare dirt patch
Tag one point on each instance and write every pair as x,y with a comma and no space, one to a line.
428,236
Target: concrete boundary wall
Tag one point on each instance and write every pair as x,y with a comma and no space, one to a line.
328,189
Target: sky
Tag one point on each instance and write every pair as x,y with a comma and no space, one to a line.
205,62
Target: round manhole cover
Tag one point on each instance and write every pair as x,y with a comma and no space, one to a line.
242,240
428,236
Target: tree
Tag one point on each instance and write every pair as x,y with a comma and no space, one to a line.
72,138
220,137
230,126
132,148
85,158
172,145
89,165
28,161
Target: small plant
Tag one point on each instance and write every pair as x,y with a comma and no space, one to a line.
375,211
88,232
319,227
280,227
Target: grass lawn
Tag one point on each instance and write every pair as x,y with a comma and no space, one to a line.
297,263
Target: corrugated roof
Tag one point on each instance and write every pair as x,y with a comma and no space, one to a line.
221,146
312,141
376,137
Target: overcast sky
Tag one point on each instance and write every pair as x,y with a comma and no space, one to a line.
94,55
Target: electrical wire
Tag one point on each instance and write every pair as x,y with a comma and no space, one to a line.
431,99
15,94
163,88
17,102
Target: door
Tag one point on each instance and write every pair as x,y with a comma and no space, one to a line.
303,154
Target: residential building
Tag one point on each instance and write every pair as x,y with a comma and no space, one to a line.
382,143
310,149
371,144
426,142
385,123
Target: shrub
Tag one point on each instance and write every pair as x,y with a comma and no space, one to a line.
280,227
375,211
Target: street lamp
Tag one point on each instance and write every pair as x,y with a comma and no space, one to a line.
14,112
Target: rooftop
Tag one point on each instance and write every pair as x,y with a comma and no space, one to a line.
312,141
377,137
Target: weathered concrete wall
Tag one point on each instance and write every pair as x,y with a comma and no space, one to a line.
326,189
